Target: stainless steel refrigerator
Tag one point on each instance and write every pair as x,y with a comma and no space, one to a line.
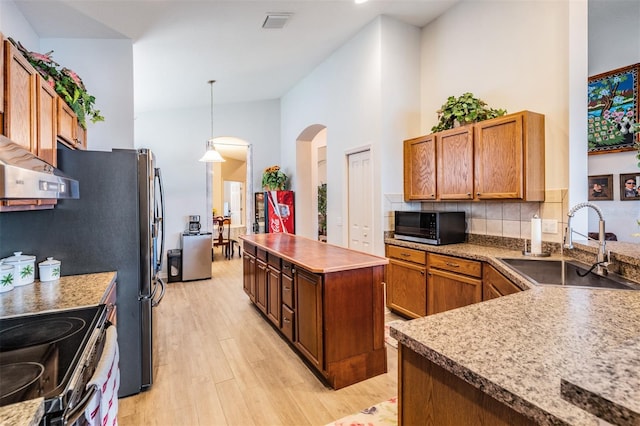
115,225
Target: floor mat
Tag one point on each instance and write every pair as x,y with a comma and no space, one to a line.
383,414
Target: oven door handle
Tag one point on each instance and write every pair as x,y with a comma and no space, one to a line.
74,415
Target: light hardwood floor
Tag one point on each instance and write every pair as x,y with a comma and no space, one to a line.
218,362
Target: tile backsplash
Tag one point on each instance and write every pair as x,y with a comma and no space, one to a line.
495,218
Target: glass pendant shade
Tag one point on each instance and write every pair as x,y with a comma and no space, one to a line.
211,155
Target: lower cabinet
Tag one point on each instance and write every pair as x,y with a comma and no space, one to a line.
261,277
249,271
274,288
308,293
494,284
407,281
453,282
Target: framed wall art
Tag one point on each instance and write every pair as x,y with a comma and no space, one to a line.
600,187
630,186
613,110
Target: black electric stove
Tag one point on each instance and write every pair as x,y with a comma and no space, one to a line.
40,353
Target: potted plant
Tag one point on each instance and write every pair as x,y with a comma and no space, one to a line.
274,179
463,110
67,84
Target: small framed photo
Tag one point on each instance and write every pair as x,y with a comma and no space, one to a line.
600,187
629,186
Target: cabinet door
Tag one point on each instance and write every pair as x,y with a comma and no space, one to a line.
249,275
455,164
20,92
261,285
494,284
420,168
274,298
67,124
81,137
499,164
287,290
407,288
308,324
446,291
46,113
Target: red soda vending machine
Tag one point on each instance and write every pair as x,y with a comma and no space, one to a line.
279,212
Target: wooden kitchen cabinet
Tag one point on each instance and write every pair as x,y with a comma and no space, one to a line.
406,281
494,284
274,289
497,159
249,270
67,124
20,99
420,168
452,283
261,280
455,164
509,157
308,326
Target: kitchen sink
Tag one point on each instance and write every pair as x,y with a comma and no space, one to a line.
566,273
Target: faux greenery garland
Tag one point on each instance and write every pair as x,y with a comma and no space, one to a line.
464,110
65,82
273,178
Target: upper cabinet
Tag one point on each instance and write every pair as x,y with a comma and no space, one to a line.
501,158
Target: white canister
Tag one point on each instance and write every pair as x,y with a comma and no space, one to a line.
49,269
7,276
24,268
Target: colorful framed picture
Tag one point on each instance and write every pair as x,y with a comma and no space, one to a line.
613,110
600,187
630,186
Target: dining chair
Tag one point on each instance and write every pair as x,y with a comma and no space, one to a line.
222,235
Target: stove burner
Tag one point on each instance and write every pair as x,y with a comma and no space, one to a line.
39,332
20,380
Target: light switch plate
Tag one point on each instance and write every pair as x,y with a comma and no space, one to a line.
549,226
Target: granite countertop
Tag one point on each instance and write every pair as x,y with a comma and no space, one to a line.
313,255
519,348
66,293
27,413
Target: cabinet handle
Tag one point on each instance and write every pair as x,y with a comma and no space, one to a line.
287,288
478,194
405,254
469,194
421,272
293,270
287,320
453,265
433,195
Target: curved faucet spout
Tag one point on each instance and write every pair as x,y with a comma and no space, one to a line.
568,242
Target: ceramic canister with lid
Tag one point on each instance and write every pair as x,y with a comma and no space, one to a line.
7,274
24,268
49,269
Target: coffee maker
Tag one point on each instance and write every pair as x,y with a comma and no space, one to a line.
194,224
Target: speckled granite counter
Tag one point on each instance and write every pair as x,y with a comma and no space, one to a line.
518,348
26,413
66,293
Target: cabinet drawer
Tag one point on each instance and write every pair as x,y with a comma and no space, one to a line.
287,322
287,290
455,264
249,248
273,261
287,268
261,254
407,254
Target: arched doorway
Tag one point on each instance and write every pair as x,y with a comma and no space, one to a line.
311,172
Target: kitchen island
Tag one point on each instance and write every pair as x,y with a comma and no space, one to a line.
547,355
326,301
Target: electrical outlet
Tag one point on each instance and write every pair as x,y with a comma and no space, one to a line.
549,226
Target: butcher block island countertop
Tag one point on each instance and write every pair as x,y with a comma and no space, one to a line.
326,301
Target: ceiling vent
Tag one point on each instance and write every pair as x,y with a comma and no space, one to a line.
275,21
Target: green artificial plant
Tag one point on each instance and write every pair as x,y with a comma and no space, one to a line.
464,110
273,178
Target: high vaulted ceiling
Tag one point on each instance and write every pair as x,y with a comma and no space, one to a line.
179,45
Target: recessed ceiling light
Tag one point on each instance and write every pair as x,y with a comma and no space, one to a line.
360,1
275,20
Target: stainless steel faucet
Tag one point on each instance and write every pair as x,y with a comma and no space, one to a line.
601,264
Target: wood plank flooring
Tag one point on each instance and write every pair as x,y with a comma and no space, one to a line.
218,362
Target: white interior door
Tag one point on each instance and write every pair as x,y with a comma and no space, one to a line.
360,202
234,192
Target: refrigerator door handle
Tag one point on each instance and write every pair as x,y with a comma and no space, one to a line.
160,218
155,303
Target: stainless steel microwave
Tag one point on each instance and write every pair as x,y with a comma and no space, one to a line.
430,227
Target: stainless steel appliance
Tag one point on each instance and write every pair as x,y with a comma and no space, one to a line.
116,225
430,227
196,256
51,355
194,224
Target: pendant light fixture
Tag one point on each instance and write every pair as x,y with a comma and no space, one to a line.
212,155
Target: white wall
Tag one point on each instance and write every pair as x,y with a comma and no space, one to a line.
352,108
178,138
14,25
606,54
106,69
